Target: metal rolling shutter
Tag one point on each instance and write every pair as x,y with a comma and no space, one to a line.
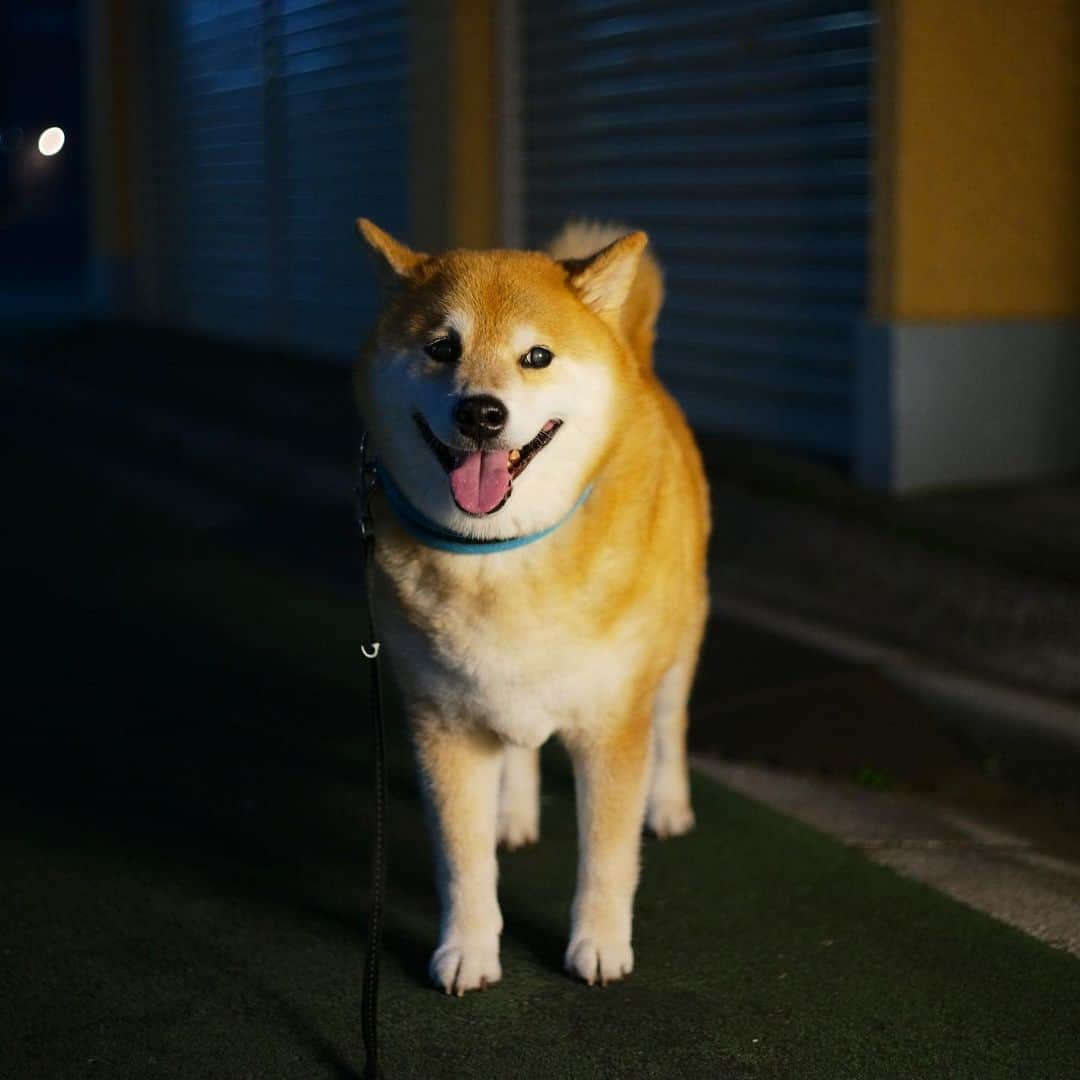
209,171
276,125
738,134
343,126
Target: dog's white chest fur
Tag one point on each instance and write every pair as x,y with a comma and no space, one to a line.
517,670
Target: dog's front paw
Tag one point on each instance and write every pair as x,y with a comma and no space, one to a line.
459,965
670,817
600,959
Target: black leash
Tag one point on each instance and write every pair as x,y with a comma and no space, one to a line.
369,998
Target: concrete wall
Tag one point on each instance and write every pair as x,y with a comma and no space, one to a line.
976,269
947,404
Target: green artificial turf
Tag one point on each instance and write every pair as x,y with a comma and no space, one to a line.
185,847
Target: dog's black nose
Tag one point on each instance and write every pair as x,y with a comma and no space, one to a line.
480,417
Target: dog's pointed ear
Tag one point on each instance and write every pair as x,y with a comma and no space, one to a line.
395,260
603,280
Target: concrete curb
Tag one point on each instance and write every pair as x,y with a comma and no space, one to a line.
1006,706
1002,874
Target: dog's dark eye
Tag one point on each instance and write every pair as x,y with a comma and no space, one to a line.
537,356
446,350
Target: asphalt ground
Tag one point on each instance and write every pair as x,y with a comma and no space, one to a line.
186,825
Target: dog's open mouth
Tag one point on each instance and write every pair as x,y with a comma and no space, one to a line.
481,480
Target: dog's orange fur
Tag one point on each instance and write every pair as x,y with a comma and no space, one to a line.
624,577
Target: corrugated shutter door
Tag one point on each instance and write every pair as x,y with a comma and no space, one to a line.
341,97
276,125
738,135
211,218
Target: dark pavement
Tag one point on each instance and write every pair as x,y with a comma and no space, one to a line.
187,802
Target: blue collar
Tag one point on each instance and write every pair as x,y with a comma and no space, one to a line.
433,535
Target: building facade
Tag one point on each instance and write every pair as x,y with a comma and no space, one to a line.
865,212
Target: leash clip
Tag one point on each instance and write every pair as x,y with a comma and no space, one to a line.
371,651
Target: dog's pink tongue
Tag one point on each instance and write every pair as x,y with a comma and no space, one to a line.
481,480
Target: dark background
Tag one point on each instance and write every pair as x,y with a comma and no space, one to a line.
45,206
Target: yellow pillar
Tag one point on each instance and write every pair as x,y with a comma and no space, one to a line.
978,165
111,40
454,151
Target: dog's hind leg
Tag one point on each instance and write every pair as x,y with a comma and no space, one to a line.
519,797
669,811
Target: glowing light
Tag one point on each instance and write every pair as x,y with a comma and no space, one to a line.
51,141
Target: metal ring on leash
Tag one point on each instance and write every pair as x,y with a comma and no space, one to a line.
374,647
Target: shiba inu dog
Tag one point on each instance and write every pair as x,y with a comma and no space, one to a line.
543,518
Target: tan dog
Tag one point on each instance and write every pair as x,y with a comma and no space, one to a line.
543,526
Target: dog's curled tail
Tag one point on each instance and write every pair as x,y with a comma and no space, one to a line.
579,240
